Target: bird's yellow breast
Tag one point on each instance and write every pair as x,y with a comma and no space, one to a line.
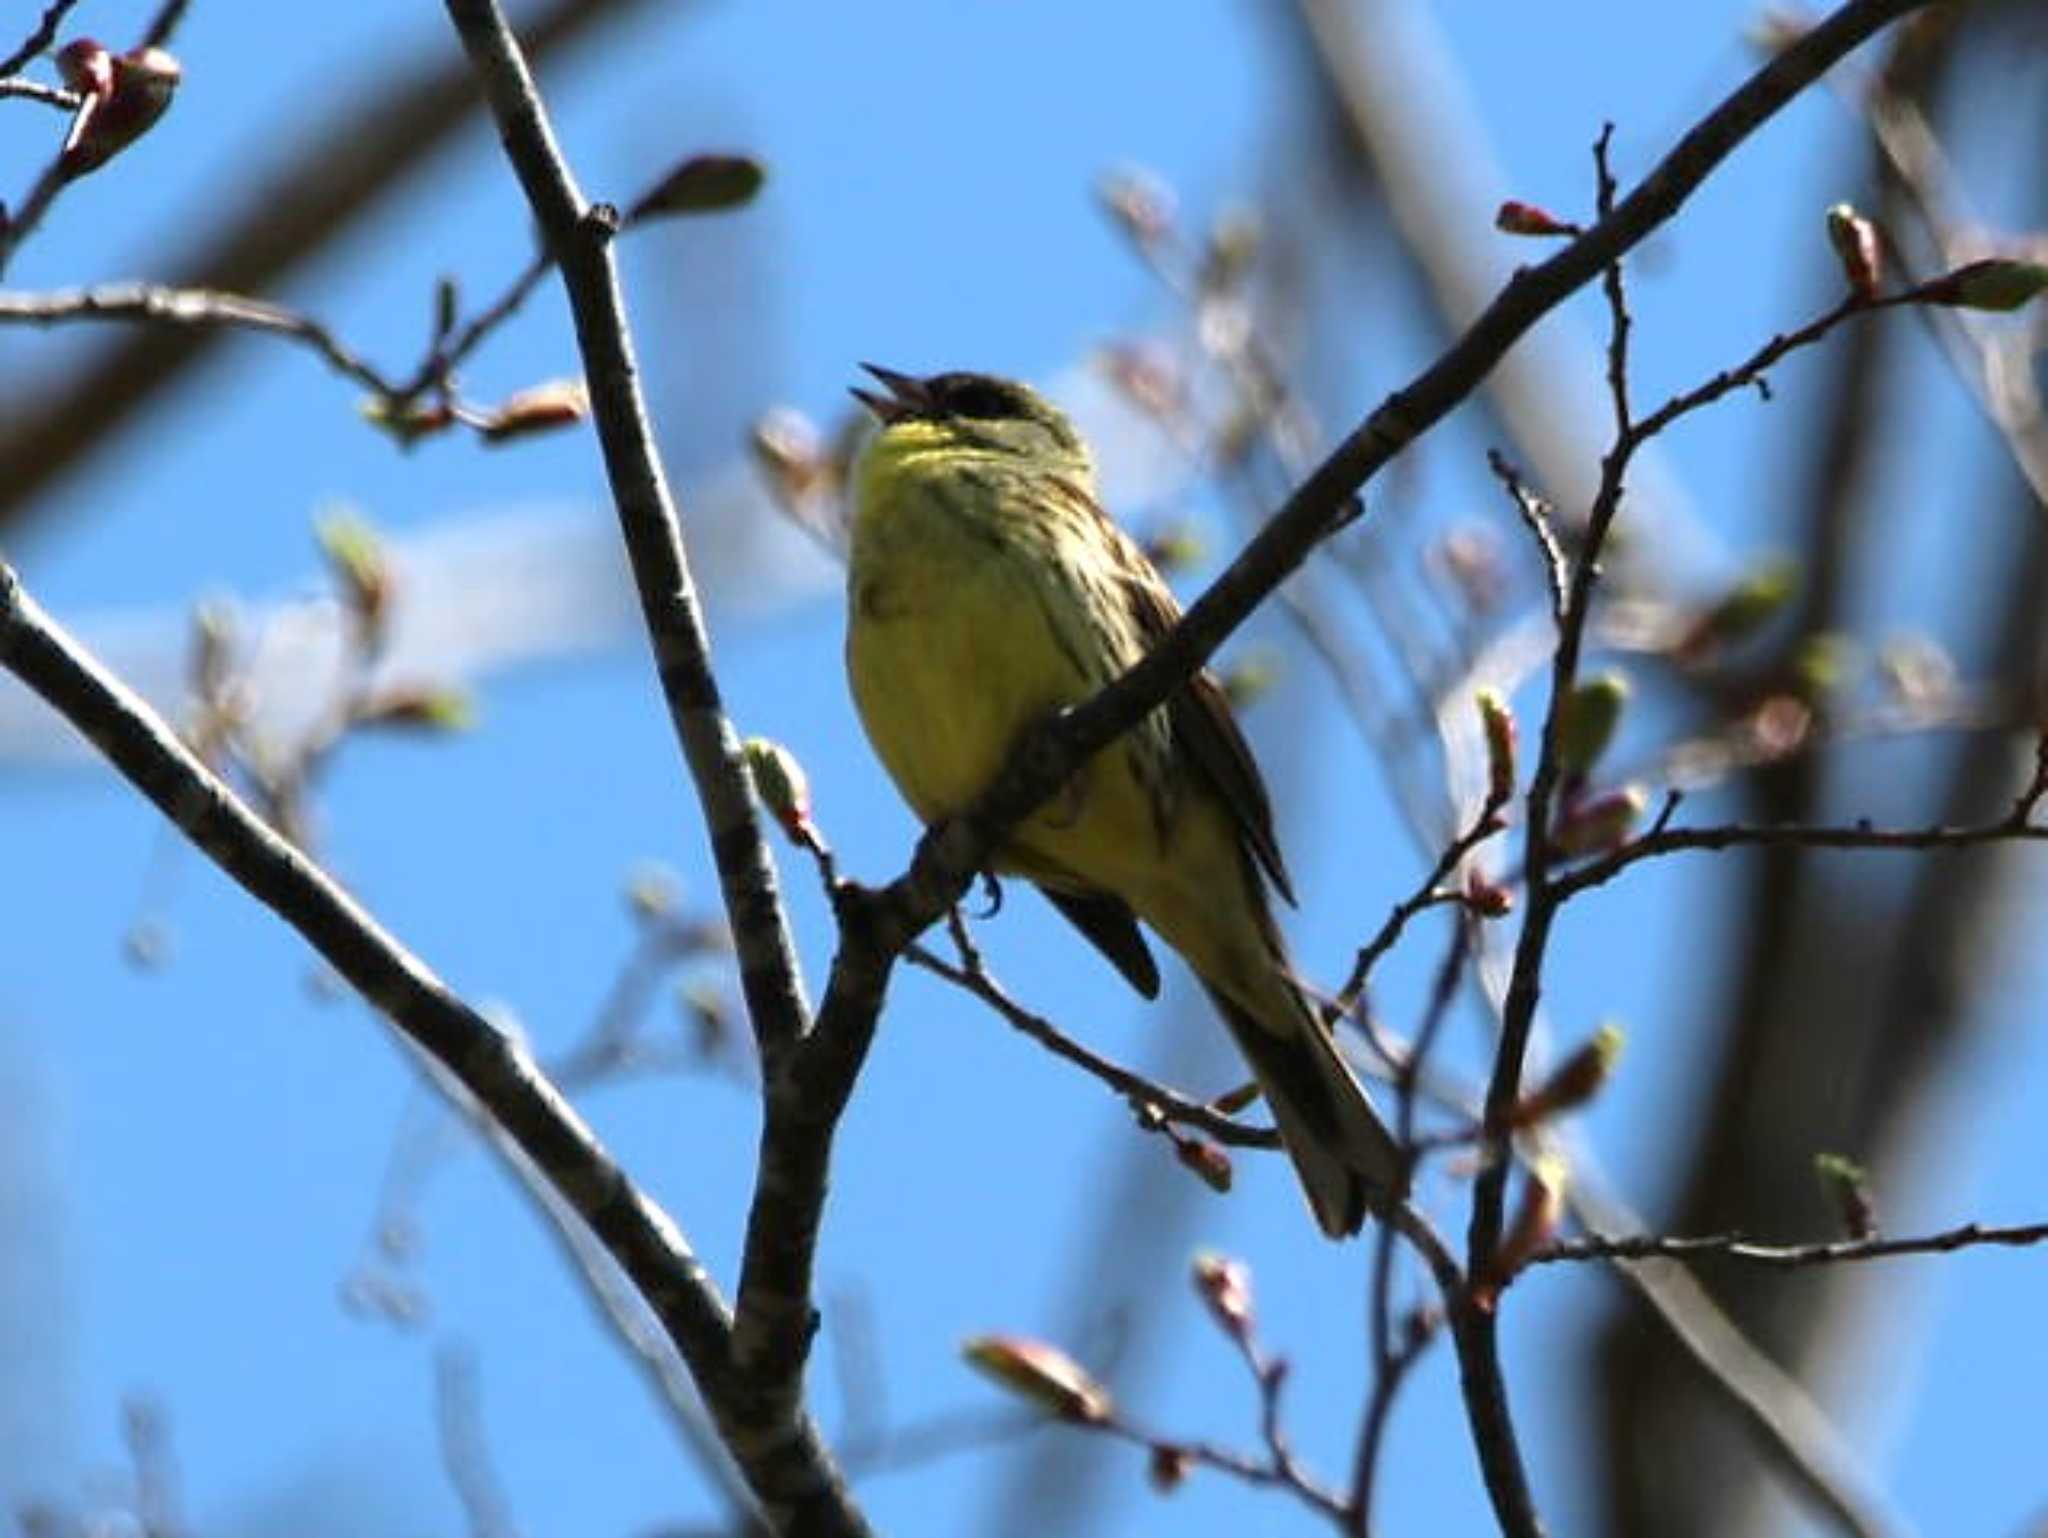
965,628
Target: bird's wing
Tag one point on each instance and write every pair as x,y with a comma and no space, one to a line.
1112,929
1203,722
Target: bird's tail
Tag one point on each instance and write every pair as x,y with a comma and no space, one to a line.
1341,1149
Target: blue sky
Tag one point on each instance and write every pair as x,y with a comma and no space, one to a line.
212,1136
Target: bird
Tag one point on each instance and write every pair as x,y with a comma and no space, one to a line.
988,589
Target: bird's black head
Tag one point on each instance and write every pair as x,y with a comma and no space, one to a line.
983,409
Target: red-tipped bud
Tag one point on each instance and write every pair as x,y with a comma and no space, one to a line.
124,94
1599,823
542,409
1574,1082
1997,283
1209,1162
1498,723
1857,248
1848,1186
1226,1286
1042,1375
86,66
1516,218
784,789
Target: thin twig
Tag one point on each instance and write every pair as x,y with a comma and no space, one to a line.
36,91
1430,893
1859,835
1535,514
156,305
45,33
1792,1256
1141,1092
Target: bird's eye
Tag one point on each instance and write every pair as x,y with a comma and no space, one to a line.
980,398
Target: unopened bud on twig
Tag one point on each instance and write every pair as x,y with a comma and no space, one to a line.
1517,218
1226,1286
1210,1163
1043,1375
1848,1184
541,409
1498,722
1857,248
1599,823
1586,724
1574,1082
355,554
124,95
428,707
784,789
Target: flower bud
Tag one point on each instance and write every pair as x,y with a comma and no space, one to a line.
124,94
784,789
355,555
1209,1162
1042,1375
1587,722
541,409
1848,1185
1599,823
1857,248
1574,1082
430,707
1226,1286
1516,218
1498,722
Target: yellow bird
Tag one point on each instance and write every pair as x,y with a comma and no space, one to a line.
986,589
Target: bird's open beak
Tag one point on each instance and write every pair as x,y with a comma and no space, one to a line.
907,395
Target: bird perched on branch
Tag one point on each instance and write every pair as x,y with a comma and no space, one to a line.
987,589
